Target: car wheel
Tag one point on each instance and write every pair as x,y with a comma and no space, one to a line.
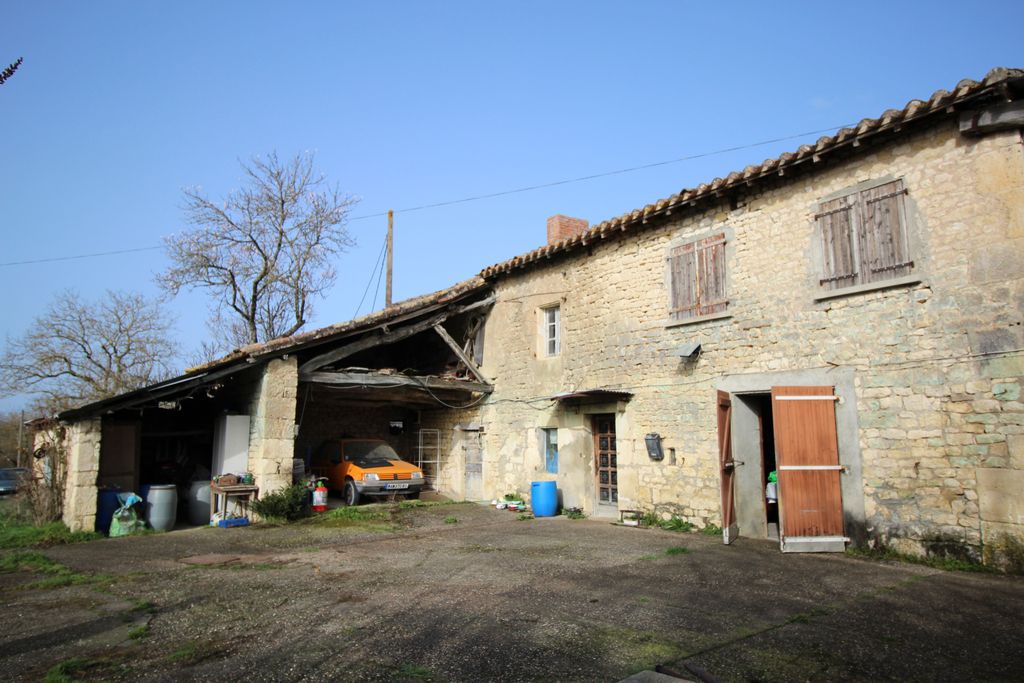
350,493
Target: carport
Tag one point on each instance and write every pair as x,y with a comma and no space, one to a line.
399,375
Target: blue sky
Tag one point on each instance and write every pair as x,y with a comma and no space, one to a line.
120,105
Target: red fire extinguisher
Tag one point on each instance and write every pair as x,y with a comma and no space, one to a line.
320,496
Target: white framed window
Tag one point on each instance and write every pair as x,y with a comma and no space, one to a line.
551,330
863,236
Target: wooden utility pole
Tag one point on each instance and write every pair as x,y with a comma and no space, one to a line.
390,249
21,425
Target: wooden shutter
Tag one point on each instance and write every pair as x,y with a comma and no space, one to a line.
711,275
697,278
839,256
683,276
883,233
727,467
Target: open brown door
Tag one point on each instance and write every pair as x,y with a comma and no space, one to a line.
730,530
807,457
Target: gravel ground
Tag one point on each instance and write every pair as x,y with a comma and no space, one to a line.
466,593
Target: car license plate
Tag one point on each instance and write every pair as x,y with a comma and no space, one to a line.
395,486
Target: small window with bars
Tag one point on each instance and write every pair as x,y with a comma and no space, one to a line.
551,330
864,237
697,278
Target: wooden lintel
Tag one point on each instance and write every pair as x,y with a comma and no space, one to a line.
370,380
466,360
991,119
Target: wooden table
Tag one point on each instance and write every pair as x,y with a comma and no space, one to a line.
219,496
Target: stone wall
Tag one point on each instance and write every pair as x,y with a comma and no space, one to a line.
937,360
272,431
83,465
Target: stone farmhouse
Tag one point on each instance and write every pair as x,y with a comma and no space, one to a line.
825,348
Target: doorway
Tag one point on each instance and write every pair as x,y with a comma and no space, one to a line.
606,460
789,432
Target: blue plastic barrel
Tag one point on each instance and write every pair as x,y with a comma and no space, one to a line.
543,498
106,504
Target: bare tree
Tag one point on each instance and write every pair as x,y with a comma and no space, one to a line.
12,439
9,71
78,351
265,252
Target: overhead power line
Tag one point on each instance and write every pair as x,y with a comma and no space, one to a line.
489,195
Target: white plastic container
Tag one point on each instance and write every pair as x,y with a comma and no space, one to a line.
162,506
199,503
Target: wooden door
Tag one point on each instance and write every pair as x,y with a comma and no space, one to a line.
730,530
120,449
807,458
606,460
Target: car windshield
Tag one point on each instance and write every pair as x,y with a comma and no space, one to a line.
370,453
8,475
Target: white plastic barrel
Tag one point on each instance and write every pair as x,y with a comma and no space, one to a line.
199,503
162,506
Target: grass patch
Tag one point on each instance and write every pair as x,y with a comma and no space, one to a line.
140,633
143,606
194,651
948,564
189,652
574,513
636,650
677,550
712,530
375,518
417,503
67,670
413,672
257,566
524,516
648,558
451,520
15,533
58,575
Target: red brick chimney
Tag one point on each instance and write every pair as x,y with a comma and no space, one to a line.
561,227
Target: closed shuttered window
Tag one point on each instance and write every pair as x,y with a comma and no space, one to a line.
864,237
697,278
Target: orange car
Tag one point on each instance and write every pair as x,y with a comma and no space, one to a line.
365,467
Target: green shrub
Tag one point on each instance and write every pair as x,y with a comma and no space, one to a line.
676,524
711,530
650,518
290,503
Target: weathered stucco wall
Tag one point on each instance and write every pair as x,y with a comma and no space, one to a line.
937,364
